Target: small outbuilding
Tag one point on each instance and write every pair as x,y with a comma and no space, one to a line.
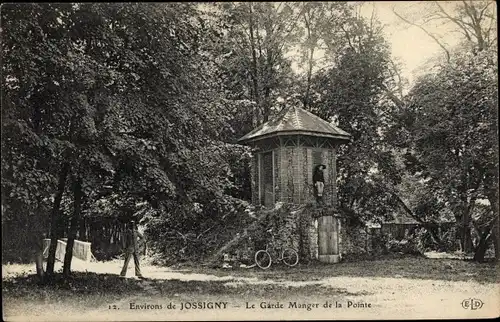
287,150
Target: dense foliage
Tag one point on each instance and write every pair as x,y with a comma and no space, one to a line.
451,122
98,105
111,110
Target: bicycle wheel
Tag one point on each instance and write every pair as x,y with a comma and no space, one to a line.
263,259
290,257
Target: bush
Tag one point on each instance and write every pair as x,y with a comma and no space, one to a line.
412,244
427,243
380,243
196,234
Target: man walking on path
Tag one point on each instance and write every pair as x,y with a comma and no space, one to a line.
131,248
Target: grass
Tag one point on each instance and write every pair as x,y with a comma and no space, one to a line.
89,289
232,288
414,267
81,291
84,290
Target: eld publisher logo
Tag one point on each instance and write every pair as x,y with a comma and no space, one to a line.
472,304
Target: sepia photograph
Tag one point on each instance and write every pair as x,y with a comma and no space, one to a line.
231,161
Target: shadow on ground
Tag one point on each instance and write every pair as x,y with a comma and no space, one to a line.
88,289
235,287
413,267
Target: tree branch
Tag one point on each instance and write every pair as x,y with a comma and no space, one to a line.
481,13
348,38
293,25
427,32
396,100
456,21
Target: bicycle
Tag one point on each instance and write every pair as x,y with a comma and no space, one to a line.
287,255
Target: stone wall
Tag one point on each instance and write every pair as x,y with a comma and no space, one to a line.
308,242
309,237
300,225
355,240
290,225
296,226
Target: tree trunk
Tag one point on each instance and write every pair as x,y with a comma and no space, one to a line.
484,239
55,214
82,230
432,228
266,108
38,234
38,252
39,267
496,240
463,221
68,256
254,73
496,226
465,234
312,45
309,77
469,245
481,250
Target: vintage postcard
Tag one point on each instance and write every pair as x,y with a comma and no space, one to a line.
224,161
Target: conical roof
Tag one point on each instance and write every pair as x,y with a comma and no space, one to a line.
294,120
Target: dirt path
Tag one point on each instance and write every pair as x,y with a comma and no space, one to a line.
387,298
241,297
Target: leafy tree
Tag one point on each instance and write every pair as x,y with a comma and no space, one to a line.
350,93
450,121
119,94
254,40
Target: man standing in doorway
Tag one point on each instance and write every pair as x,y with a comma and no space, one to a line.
319,182
131,248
